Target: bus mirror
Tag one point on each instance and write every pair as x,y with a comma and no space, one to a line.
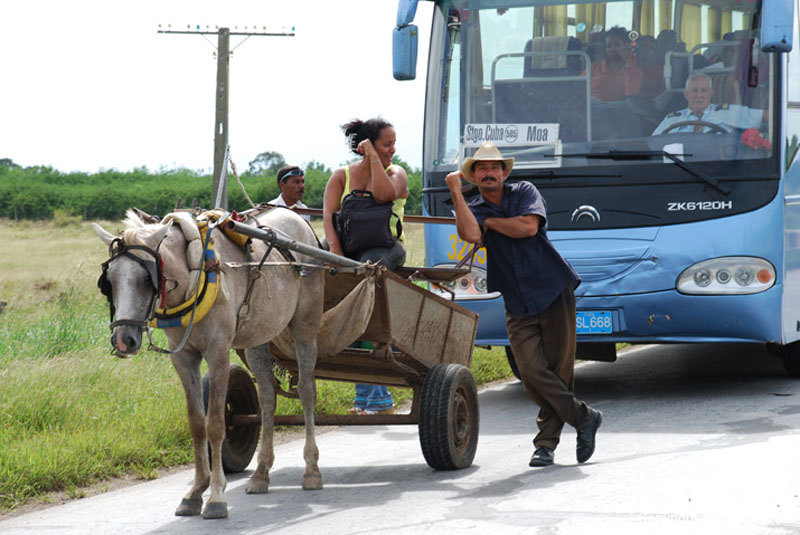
777,17
404,52
406,9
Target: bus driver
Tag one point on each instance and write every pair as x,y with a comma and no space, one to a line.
698,96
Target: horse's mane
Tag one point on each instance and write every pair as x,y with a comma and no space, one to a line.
136,229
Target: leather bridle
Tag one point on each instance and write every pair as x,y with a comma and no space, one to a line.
155,272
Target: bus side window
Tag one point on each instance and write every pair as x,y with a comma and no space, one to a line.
793,108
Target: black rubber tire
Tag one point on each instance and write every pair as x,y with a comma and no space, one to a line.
512,363
449,419
790,355
240,442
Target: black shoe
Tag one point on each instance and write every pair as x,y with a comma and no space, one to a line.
586,436
542,456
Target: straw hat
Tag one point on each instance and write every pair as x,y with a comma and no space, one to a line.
487,151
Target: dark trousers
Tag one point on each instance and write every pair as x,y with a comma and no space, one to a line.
544,348
391,257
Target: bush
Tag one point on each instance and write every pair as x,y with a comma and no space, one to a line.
37,193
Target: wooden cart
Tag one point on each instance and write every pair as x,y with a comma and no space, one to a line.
419,340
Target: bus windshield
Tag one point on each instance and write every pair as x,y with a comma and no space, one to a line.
563,85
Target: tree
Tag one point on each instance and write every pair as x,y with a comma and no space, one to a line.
414,201
397,160
266,163
8,162
314,165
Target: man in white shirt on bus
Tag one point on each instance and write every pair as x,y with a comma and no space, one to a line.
698,96
291,182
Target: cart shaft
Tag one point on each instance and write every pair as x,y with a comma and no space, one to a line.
275,237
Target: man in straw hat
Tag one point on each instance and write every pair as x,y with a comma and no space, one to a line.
537,285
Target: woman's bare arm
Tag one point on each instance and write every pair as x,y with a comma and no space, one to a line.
331,202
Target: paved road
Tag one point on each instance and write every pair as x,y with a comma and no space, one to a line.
696,439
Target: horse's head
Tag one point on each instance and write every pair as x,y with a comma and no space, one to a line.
133,281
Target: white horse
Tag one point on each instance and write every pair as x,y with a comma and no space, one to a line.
282,296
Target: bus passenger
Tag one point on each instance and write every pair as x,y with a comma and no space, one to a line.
667,41
537,285
291,182
698,95
374,141
617,76
652,70
596,45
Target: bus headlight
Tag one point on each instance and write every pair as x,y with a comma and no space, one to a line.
702,277
479,283
727,276
472,285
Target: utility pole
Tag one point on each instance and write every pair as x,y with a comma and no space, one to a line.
220,187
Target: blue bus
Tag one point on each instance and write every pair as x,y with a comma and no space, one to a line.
683,228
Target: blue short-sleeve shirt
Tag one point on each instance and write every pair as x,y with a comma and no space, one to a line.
528,272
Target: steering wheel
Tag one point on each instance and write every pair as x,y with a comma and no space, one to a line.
715,128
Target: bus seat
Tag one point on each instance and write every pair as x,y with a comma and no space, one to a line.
553,89
558,63
729,78
539,100
676,70
726,88
718,60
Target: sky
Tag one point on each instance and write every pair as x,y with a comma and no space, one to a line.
89,85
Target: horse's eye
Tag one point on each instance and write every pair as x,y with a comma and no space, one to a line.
147,278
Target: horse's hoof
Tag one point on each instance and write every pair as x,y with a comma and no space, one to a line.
257,486
312,482
215,510
189,507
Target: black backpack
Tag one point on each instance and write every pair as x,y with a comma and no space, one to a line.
361,223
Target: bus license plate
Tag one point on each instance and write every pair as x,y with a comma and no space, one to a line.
593,322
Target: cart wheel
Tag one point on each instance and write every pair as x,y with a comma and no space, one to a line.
512,363
242,398
448,422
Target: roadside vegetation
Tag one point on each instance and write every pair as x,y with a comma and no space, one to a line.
71,414
41,193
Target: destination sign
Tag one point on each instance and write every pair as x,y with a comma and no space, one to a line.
510,134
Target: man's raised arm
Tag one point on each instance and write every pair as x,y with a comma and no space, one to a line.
466,224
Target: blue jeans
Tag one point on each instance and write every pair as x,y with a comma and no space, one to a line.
372,398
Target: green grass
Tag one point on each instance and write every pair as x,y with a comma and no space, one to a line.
71,414
75,419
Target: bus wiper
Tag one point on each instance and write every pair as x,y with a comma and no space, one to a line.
623,155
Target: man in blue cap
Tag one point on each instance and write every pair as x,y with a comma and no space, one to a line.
291,182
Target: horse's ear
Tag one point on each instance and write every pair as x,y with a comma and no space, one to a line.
105,236
155,238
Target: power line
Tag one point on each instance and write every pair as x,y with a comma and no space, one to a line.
246,30
221,117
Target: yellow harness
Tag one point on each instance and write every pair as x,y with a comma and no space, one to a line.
195,230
